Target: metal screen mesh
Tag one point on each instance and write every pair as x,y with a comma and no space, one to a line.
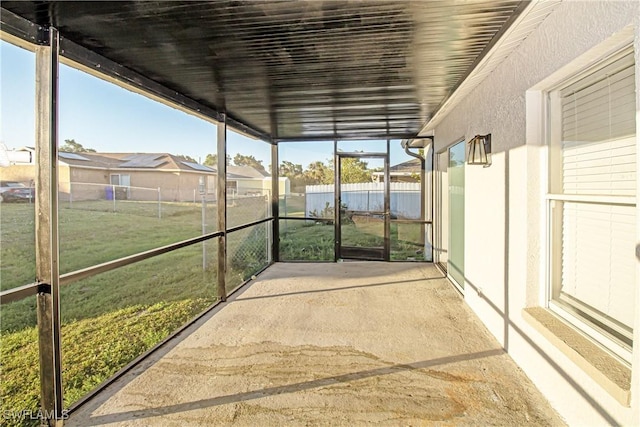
248,208
248,252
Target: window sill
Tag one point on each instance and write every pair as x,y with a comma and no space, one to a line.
603,368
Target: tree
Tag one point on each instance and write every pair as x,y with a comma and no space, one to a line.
71,146
186,158
294,172
354,170
319,173
212,160
290,170
242,160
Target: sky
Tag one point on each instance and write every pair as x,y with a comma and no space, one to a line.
108,118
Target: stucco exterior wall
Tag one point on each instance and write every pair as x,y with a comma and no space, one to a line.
174,187
505,208
284,185
82,184
20,173
90,184
263,186
26,174
189,185
249,186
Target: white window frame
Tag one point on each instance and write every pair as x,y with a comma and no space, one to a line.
211,184
232,187
119,175
554,199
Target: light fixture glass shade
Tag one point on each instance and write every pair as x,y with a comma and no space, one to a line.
479,152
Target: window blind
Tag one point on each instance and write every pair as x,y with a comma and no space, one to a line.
598,266
599,158
598,132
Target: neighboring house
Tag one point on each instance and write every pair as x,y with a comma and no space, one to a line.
247,180
138,176
408,171
144,175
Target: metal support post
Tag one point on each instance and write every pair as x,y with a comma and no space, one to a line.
222,207
423,200
431,199
387,205
275,203
336,201
423,184
204,231
47,251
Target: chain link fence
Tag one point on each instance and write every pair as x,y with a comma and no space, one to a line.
111,198
244,209
293,205
248,252
196,212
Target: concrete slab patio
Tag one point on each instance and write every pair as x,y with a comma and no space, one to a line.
355,343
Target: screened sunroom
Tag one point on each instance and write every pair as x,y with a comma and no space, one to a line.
175,157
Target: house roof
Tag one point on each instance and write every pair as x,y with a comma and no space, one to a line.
245,172
407,168
151,161
285,70
410,166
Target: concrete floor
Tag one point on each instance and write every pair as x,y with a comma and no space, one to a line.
354,343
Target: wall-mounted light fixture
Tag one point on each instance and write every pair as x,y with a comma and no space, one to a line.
479,152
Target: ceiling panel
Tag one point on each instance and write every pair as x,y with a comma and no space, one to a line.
293,69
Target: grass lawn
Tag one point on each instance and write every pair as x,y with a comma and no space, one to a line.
292,206
314,241
109,319
306,241
93,350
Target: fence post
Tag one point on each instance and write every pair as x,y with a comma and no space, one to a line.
159,203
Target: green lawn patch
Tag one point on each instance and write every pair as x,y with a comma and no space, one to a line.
111,318
93,349
314,241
